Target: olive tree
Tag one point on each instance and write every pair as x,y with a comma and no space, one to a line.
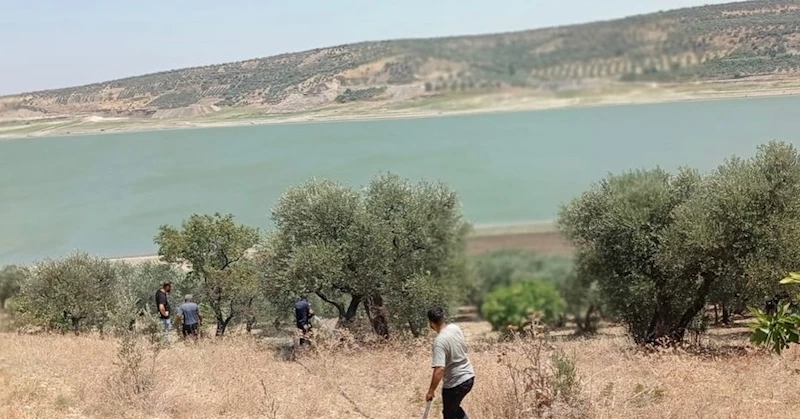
584,302
74,293
215,248
740,230
660,244
11,278
394,248
137,285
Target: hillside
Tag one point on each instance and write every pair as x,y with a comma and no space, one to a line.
721,42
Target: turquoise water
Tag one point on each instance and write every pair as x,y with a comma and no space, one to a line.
107,194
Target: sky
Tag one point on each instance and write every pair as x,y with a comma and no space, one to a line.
48,44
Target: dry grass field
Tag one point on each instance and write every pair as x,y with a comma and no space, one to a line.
54,376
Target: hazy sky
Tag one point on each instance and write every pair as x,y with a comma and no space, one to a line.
59,43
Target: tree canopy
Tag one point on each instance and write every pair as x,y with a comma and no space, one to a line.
215,247
74,293
394,248
661,243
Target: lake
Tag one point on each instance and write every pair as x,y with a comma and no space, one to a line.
107,194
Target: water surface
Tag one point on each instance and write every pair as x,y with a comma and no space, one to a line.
107,194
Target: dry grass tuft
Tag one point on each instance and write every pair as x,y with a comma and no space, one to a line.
50,376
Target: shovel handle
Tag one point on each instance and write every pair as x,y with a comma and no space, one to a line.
427,409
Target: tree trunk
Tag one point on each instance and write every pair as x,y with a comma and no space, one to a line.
348,315
585,326
716,315
277,323
377,315
726,315
222,324
75,324
414,329
352,309
250,318
249,323
698,304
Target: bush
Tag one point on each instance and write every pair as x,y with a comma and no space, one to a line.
778,329
543,380
11,278
506,267
516,305
74,293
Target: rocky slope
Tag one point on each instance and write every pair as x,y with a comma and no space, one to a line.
731,41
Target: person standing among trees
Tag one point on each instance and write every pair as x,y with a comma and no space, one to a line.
190,317
302,315
450,364
162,304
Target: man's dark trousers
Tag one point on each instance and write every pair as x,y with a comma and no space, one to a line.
452,397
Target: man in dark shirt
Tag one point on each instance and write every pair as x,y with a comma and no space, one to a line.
162,304
302,314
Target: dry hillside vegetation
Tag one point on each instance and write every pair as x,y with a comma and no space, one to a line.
731,41
65,376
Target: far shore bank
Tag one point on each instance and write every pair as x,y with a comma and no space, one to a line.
424,108
540,237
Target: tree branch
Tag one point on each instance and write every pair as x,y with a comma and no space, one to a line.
339,306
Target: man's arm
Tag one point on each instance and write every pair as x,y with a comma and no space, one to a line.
436,378
439,362
161,302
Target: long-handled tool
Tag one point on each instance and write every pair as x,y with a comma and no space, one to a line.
427,410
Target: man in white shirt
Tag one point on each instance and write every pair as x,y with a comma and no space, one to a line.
450,365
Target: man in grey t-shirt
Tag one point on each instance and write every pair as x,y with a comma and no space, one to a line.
450,364
191,319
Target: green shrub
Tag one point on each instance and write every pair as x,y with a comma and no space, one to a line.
11,278
516,304
506,267
778,329
73,293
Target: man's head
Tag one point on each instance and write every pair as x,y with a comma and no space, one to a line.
187,298
436,318
303,297
167,287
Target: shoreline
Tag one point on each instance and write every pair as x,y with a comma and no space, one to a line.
512,103
483,238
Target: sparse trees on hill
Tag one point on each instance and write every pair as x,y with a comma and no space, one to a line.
660,244
215,247
393,249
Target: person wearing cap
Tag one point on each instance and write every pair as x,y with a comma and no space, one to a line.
190,317
162,305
